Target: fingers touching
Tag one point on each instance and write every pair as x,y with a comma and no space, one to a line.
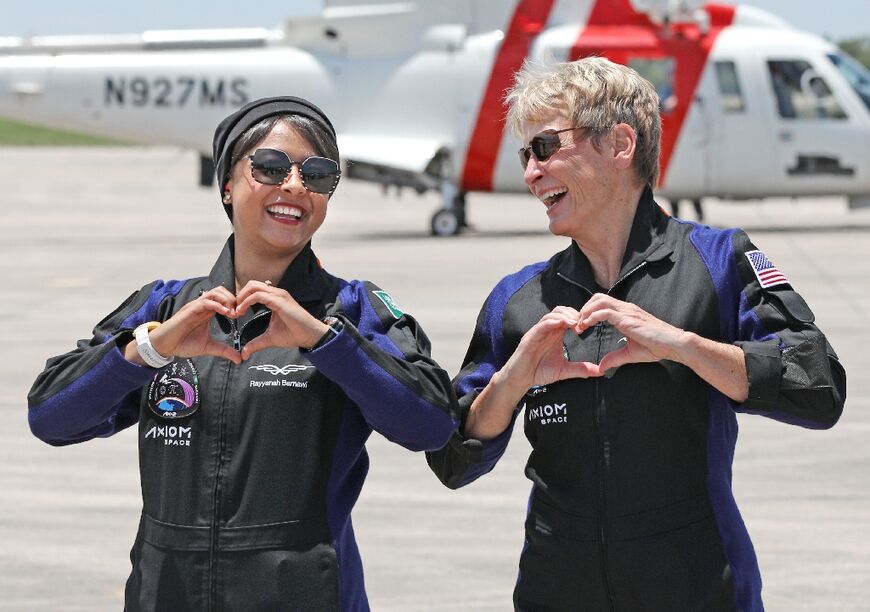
186,333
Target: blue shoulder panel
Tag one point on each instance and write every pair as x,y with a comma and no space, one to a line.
716,249
489,328
148,310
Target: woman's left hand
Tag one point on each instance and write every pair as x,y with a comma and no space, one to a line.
291,325
646,337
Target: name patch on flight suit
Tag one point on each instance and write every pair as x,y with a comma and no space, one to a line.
174,391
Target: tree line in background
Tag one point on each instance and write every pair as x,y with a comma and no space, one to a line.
859,48
13,133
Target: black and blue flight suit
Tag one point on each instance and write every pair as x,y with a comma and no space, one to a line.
248,487
631,506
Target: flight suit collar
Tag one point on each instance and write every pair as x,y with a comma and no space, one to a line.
304,278
646,244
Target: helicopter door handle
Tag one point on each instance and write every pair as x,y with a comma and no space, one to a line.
785,135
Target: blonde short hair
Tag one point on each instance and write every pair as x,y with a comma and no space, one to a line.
595,92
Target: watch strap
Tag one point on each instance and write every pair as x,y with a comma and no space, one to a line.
146,351
335,327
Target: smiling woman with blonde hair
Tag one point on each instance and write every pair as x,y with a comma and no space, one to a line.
630,353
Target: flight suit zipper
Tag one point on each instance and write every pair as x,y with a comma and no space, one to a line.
603,467
236,338
603,455
216,490
603,442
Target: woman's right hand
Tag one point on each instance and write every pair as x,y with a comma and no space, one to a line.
539,358
186,333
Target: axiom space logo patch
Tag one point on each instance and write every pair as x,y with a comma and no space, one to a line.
548,414
174,391
172,435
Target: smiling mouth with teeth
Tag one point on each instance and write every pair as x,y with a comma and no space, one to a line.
287,213
552,196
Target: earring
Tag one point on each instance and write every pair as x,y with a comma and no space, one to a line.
228,198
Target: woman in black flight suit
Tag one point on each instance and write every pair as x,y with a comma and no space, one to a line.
255,389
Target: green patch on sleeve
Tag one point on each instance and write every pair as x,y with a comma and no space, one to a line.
389,303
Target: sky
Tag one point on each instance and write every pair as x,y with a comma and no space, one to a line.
835,19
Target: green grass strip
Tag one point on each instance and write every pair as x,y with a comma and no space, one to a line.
14,133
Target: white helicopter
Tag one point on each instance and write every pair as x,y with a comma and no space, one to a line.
750,106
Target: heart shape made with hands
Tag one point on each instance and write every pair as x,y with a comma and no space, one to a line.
186,333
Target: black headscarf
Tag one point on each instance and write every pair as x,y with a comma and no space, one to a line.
230,129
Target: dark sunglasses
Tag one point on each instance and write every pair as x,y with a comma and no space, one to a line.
544,145
272,167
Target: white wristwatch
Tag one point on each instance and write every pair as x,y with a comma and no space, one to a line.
143,344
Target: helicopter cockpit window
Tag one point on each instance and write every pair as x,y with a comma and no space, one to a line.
801,93
856,74
659,72
730,95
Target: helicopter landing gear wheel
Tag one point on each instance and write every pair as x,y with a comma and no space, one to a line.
445,222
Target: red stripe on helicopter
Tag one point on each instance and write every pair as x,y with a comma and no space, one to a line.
528,20
618,32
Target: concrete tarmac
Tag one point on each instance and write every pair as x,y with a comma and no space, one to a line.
80,229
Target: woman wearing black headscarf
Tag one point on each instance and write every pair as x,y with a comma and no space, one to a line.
255,389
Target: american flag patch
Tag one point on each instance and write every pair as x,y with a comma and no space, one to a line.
768,274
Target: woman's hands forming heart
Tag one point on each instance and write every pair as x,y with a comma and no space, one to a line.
186,333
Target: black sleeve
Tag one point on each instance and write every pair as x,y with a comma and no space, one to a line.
381,359
93,391
794,373
464,460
